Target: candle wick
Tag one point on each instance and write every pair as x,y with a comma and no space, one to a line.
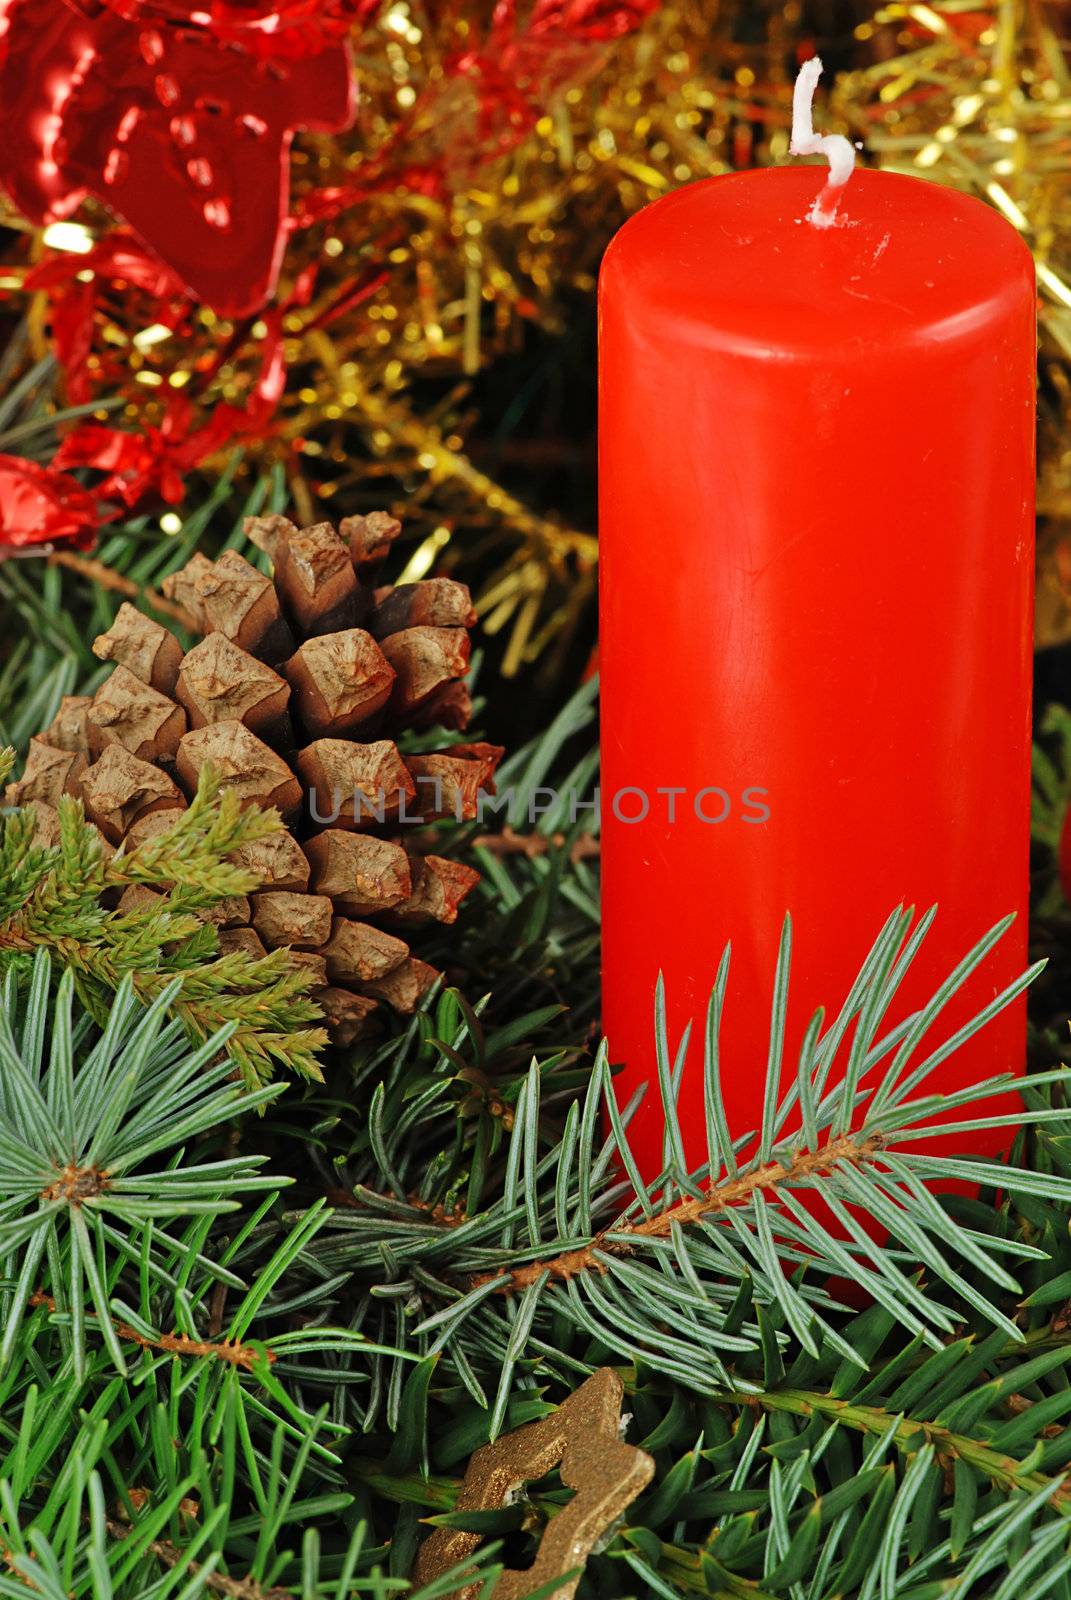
806,142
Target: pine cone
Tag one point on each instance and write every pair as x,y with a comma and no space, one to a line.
296,694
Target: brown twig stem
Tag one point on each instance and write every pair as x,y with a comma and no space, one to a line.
617,1239
511,843
96,572
230,1351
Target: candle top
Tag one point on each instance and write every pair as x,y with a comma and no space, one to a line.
734,257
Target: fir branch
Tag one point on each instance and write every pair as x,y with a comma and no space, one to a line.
214,1582
76,1139
193,852
907,1433
620,1238
653,1268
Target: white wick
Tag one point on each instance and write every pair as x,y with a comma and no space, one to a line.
805,142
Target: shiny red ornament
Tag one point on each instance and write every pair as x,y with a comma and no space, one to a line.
136,466
183,130
39,506
151,465
588,20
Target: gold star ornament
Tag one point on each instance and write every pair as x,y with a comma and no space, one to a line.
583,1439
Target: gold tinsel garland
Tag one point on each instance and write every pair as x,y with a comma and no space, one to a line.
979,97
500,247
418,285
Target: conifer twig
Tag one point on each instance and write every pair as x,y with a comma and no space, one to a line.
586,847
107,578
55,898
1007,1471
214,1582
616,1239
230,1351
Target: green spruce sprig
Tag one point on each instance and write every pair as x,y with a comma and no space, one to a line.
54,897
143,1374
82,1185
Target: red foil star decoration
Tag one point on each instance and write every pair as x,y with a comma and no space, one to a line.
39,506
524,59
150,465
179,119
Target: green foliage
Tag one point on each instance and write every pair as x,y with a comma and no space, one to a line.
30,418
912,1479
56,898
81,1182
1052,776
154,1432
916,1448
802,1449
571,1237
267,1401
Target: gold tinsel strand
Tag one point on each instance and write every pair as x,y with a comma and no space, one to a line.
980,99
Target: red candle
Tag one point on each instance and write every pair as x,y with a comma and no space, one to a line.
816,514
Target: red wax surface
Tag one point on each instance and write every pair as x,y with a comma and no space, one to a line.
816,525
